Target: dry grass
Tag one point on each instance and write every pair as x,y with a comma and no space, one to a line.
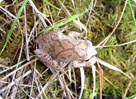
110,25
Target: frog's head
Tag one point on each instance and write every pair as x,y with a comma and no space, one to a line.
91,51
85,50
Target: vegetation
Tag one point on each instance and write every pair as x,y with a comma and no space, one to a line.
111,24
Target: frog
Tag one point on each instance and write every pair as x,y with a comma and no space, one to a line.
55,46
60,47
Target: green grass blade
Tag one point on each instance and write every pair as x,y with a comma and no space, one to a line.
51,4
64,22
3,71
69,19
13,25
132,12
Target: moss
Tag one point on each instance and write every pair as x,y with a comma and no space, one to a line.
99,22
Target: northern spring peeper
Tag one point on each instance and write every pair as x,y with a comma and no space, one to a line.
55,46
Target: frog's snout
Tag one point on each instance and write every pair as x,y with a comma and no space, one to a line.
91,51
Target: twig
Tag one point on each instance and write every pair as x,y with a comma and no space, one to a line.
28,63
10,14
126,91
106,39
26,37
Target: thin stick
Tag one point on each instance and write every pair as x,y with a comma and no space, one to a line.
26,38
28,63
101,79
106,39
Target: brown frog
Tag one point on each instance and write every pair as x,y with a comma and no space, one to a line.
55,46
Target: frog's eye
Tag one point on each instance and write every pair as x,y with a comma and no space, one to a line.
86,60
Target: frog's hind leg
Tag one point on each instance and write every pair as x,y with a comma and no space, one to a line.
52,65
46,59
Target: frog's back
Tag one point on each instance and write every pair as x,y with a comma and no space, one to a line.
46,37
62,47
46,41
70,49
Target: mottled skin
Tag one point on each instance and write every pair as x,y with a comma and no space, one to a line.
55,45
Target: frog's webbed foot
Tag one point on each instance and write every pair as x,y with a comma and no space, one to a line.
87,63
46,59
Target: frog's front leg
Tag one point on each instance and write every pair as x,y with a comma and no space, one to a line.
75,34
78,35
80,64
87,63
46,59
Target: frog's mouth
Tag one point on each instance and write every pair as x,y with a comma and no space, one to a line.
86,60
89,58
